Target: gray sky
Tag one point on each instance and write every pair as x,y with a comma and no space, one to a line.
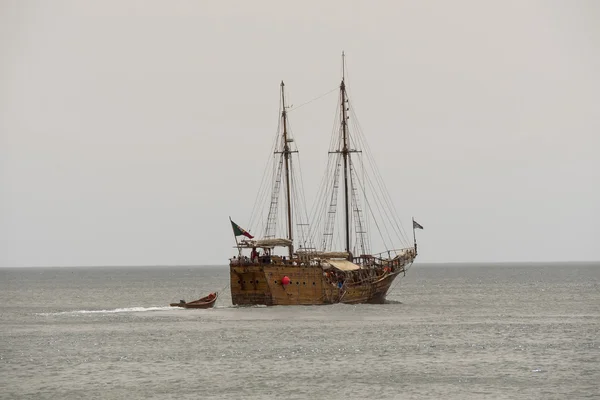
131,130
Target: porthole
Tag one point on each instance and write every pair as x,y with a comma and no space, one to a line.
239,281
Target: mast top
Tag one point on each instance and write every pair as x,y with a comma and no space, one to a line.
343,66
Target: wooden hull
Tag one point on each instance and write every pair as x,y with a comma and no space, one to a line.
256,284
203,303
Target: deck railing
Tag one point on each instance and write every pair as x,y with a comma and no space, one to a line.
393,259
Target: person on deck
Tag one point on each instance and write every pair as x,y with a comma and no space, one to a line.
254,255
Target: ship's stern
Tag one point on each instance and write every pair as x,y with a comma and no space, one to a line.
249,285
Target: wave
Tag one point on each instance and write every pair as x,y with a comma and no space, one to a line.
113,311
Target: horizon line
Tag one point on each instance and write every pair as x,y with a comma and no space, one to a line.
225,265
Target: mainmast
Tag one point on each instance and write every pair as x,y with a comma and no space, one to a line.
345,154
287,166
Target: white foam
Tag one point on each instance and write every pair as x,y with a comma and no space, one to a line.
113,311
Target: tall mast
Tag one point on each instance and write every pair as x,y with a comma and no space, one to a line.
345,153
286,156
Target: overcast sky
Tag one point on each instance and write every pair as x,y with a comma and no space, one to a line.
131,130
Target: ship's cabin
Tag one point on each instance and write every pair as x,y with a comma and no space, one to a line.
266,251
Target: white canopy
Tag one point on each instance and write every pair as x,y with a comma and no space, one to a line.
266,243
342,265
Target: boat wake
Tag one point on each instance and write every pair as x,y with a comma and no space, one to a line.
113,311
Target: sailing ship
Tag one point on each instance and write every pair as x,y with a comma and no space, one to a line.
328,260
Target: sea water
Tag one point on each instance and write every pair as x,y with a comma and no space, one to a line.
506,331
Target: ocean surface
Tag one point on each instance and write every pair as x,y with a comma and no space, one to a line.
506,331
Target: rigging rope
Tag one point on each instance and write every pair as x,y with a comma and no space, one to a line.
310,101
324,215
222,290
379,180
256,216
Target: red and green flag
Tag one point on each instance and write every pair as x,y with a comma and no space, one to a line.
237,231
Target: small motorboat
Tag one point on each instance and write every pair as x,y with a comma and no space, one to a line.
205,302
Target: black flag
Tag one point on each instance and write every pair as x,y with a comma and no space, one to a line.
417,225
